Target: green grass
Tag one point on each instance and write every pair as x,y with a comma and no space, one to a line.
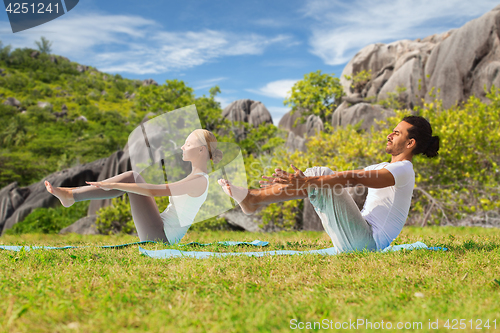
97,290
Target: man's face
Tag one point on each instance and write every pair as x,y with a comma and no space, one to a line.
397,141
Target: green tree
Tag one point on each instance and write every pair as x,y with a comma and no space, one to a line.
214,91
44,45
4,51
317,94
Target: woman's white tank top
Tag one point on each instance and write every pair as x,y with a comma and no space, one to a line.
181,212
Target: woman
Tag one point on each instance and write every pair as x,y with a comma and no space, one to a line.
190,192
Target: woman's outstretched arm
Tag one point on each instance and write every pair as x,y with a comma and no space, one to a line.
194,185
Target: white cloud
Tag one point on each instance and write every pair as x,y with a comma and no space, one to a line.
277,89
208,83
127,43
341,30
224,101
271,22
74,34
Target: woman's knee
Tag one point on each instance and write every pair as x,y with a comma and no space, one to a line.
131,177
128,177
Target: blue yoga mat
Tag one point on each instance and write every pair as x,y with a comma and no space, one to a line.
28,248
165,254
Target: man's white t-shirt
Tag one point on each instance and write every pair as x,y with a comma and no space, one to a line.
386,209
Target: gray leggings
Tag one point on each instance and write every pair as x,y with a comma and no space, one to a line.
145,212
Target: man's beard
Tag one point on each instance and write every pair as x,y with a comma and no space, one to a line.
393,150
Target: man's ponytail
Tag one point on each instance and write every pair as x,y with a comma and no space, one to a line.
432,150
421,131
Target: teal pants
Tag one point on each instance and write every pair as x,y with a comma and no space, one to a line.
340,216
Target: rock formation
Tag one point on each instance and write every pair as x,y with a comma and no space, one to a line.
236,218
298,131
84,226
249,111
16,203
148,82
458,63
12,102
365,113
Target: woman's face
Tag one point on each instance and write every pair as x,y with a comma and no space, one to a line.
192,148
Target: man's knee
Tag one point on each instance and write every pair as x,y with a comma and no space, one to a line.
318,171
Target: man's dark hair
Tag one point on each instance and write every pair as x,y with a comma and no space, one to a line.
421,131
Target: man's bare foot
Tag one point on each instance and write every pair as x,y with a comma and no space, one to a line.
240,194
64,195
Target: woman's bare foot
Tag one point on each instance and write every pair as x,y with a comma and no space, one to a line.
240,194
64,195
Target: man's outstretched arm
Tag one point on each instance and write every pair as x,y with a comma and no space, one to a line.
369,178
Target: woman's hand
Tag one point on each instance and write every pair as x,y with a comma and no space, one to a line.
296,180
103,185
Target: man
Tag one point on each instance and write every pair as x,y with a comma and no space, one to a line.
390,188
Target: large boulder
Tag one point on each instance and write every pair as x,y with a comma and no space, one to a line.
11,197
84,226
17,203
362,112
236,218
246,110
290,121
457,63
249,111
467,61
115,164
299,131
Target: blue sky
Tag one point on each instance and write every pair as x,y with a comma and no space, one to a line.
251,49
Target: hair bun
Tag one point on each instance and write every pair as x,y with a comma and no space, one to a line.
217,156
432,150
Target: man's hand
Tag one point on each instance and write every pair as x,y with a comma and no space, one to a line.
294,181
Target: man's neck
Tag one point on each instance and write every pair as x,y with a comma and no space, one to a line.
401,157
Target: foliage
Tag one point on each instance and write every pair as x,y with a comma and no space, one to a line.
262,139
464,179
116,218
318,94
49,220
44,45
394,100
213,224
282,215
359,80
34,142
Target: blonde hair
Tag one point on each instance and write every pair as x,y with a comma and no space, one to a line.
208,139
